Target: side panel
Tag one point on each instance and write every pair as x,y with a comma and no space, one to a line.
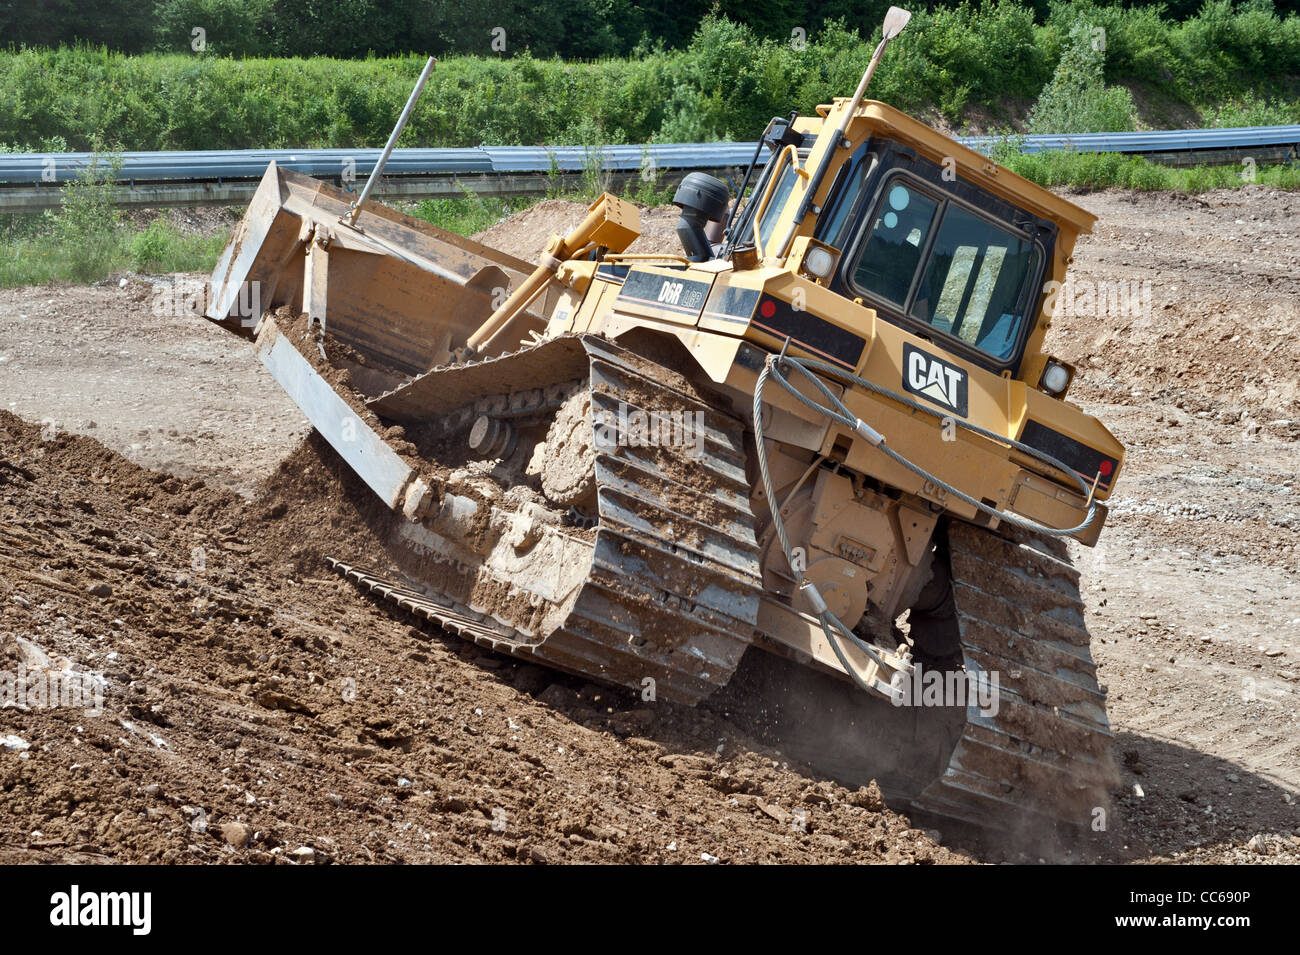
666,294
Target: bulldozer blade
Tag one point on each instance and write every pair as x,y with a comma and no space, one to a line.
360,446
402,293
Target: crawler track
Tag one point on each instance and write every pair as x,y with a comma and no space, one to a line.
1046,750
671,594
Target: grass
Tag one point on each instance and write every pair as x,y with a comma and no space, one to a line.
36,261
163,248
1250,110
1104,170
468,215
35,250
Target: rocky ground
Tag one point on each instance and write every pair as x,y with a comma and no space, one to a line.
162,522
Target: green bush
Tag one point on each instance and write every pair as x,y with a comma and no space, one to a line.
85,239
1219,51
1251,110
726,82
1077,99
161,247
468,215
1137,41
148,248
227,26
951,58
87,222
1103,170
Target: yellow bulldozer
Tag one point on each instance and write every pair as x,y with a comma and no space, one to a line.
819,458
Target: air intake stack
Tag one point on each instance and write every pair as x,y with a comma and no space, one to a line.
702,199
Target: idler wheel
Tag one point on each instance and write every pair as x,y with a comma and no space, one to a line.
569,465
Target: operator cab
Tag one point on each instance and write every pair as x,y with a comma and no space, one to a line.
927,250
937,255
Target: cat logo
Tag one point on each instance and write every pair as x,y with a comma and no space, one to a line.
935,380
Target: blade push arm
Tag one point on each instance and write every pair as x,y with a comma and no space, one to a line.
611,223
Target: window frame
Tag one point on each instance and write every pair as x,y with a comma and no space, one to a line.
862,169
902,316
783,169
742,229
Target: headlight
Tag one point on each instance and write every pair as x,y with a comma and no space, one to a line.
1055,378
818,262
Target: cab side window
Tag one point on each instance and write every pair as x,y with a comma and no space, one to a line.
893,250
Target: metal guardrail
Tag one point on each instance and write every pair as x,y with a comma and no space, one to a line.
221,165
1152,141
29,181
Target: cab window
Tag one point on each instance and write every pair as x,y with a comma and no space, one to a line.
948,267
742,233
898,239
776,202
834,227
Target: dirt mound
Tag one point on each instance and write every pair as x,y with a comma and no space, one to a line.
254,712
1194,302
